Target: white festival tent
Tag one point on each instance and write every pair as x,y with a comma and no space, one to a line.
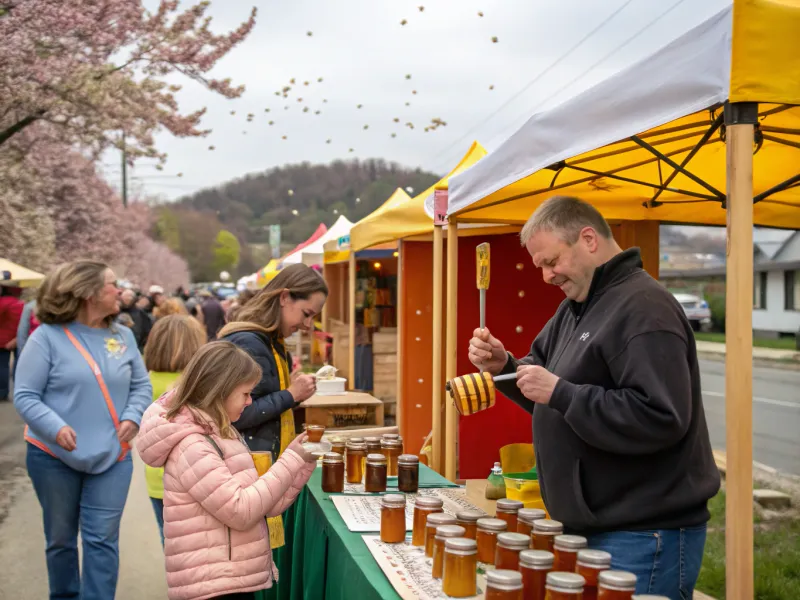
314,253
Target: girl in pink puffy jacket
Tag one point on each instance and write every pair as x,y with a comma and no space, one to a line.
215,504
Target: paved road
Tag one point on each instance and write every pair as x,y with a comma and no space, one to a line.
776,413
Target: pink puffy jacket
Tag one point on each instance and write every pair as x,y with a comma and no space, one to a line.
216,535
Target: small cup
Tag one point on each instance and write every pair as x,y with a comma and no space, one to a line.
262,460
315,433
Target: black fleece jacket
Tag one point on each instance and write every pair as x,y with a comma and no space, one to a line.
623,443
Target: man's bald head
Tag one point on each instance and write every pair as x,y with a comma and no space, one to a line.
127,297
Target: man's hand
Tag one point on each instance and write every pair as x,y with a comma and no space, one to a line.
127,431
12,344
66,438
536,383
487,352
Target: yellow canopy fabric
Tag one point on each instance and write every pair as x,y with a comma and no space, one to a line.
20,276
622,179
400,216
267,274
765,57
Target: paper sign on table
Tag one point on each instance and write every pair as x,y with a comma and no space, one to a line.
409,570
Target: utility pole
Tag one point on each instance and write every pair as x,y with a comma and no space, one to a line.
124,174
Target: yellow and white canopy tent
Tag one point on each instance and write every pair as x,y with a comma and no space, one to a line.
267,274
706,130
12,274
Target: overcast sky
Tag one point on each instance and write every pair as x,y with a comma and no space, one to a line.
363,54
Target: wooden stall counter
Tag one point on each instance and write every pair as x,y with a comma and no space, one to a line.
346,411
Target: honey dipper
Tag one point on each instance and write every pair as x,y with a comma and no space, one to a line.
474,392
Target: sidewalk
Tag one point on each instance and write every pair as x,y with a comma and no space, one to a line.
761,354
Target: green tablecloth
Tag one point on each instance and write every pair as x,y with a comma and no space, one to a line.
328,561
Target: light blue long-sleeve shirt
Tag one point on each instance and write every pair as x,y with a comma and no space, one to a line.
55,386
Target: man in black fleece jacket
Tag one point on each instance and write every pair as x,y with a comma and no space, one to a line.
622,446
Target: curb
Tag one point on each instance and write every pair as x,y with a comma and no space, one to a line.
787,365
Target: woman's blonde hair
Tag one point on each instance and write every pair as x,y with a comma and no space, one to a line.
65,290
171,306
172,343
215,370
264,309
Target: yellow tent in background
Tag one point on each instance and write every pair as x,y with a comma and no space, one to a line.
401,216
267,274
19,276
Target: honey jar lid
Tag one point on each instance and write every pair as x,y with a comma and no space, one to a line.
450,531
408,459
570,542
508,505
386,443
356,445
427,502
461,545
537,558
594,558
393,500
315,427
529,515
565,581
617,580
376,459
513,541
372,440
336,440
503,579
357,440
390,436
332,457
492,524
436,519
548,526
470,516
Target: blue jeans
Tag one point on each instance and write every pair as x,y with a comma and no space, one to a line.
71,500
666,562
158,508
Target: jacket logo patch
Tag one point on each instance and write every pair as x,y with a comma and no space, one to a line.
584,336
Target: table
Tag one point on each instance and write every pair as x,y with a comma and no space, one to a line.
328,561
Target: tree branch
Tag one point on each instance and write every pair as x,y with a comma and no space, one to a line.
8,133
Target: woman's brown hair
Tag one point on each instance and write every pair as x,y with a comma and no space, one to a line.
171,306
172,343
264,309
65,290
215,370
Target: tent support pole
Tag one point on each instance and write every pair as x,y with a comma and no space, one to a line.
451,353
326,273
351,366
437,385
739,121
398,395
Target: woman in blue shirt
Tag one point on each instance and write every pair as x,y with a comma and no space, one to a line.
81,389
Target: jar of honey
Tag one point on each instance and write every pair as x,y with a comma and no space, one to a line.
509,545
534,566
507,510
564,586
460,577
566,551
338,445
503,584
468,519
616,585
526,517
373,445
356,457
408,473
486,536
442,533
391,450
332,473
375,477
544,534
390,436
393,518
423,506
590,564
433,521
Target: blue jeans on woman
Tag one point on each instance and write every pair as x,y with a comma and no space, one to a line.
158,508
666,562
72,500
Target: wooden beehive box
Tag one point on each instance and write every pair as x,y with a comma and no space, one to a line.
348,411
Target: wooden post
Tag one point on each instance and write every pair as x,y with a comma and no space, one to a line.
342,293
326,271
351,376
739,121
436,381
398,407
451,353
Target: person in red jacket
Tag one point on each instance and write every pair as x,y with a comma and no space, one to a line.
10,313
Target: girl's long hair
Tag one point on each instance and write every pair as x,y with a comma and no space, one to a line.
263,311
214,372
172,343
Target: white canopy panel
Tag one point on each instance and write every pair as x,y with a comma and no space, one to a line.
314,253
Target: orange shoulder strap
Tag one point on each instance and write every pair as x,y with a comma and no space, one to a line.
100,382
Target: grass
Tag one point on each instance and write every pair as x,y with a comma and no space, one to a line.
776,557
787,343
